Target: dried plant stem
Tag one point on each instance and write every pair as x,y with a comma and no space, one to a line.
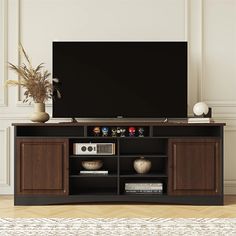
36,81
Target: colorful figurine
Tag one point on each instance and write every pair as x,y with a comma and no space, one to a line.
105,131
113,132
131,131
96,131
141,132
122,132
118,131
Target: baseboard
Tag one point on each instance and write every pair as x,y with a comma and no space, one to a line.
6,189
230,186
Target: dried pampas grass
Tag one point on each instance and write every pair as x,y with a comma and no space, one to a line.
36,81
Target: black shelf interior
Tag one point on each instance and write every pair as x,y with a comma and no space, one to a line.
120,166
149,175
189,131
49,131
112,175
143,146
91,133
127,168
109,163
94,186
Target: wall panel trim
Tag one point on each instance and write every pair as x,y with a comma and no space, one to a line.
3,49
5,182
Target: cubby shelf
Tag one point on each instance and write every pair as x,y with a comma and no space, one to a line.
46,153
94,176
91,156
143,155
151,175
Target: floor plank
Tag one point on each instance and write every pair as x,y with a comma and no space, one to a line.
7,209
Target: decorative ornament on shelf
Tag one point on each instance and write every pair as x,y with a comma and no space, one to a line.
37,84
131,131
141,132
92,165
105,131
142,165
122,132
96,131
113,132
201,109
118,131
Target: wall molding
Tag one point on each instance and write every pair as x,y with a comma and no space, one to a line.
221,103
202,77
201,62
5,182
230,187
186,19
3,49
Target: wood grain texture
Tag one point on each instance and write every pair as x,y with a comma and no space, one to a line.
123,122
42,166
194,167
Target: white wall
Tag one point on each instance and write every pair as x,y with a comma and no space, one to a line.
208,25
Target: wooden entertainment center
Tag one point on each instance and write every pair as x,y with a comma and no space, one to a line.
186,158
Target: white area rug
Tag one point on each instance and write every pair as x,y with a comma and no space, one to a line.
116,227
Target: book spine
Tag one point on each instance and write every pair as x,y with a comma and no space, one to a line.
144,191
143,188
143,184
93,172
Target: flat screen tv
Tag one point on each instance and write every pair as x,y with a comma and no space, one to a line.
112,79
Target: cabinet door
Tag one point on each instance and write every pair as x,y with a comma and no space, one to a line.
194,166
41,166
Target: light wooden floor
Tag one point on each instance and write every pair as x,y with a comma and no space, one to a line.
7,209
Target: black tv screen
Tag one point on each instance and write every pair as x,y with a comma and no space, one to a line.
120,79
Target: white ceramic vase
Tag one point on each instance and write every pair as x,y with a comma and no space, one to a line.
39,114
142,166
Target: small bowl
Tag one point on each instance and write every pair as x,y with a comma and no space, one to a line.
92,165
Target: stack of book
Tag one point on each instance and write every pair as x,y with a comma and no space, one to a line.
143,188
200,120
94,172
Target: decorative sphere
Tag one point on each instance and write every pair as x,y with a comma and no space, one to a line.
200,108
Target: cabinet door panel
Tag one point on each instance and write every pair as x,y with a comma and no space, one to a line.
42,166
194,167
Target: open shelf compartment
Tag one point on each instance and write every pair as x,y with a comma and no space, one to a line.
93,186
123,181
118,131
109,163
147,146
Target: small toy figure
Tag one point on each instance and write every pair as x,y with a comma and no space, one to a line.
141,132
96,131
131,131
122,132
113,132
118,131
105,131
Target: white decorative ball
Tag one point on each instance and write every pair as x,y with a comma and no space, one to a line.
200,108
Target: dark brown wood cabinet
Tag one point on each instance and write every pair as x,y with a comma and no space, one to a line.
187,161
42,166
194,166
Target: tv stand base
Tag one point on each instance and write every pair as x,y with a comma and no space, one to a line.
107,199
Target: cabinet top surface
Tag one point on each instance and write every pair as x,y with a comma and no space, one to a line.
120,123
